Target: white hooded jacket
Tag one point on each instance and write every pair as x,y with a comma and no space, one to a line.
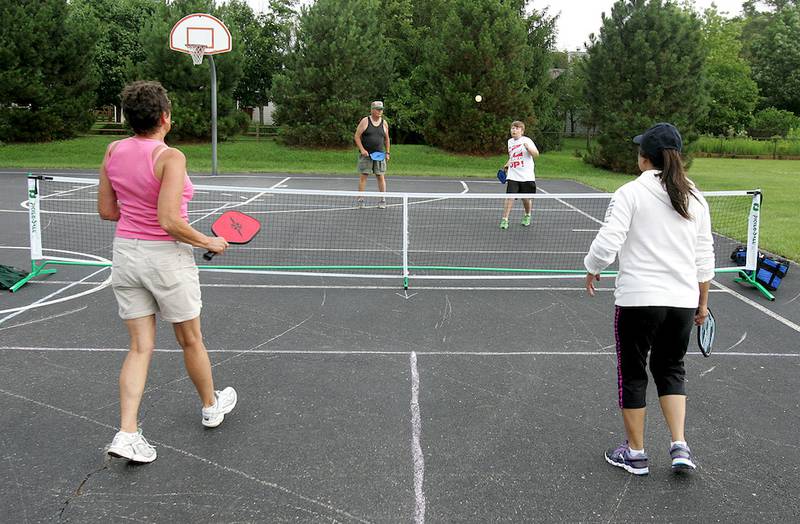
662,256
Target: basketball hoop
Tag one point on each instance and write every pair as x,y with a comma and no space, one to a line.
197,51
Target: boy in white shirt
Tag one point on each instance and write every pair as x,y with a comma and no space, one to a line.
519,168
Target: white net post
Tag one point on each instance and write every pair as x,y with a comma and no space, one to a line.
753,225
34,219
405,241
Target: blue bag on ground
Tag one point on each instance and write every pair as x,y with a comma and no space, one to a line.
739,256
770,271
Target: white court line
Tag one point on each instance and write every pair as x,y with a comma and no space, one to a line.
231,205
385,353
43,301
96,286
765,310
189,454
579,211
416,448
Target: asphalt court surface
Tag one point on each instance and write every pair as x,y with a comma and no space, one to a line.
454,401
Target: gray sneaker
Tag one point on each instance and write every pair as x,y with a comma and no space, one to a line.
360,203
382,204
224,402
621,458
682,459
132,447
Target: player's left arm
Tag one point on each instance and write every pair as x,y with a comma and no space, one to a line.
532,149
386,137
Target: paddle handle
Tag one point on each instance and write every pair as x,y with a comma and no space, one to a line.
208,255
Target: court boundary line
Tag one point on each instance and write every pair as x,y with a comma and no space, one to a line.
416,448
44,349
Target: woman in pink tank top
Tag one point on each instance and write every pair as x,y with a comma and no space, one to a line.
145,189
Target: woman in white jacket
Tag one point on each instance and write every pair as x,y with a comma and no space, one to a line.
660,229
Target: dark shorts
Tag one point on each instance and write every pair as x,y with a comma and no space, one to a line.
661,332
514,186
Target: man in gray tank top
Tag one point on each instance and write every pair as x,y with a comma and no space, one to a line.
372,140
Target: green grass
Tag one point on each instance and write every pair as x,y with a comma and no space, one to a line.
731,147
779,179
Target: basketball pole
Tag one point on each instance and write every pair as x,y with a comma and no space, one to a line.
213,115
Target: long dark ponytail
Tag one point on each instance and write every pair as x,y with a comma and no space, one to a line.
673,178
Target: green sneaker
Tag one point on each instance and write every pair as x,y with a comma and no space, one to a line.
526,220
504,223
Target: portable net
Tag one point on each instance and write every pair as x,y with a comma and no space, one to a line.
424,236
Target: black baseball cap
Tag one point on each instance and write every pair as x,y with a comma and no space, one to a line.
659,137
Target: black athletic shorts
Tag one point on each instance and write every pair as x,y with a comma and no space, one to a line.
514,186
664,333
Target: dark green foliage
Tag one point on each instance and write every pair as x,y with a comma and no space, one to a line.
647,67
547,122
570,91
773,48
340,62
264,41
189,86
771,122
732,91
46,80
118,23
476,47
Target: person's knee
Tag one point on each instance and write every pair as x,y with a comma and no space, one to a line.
188,334
142,347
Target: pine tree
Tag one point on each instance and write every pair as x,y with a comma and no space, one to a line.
647,67
476,47
46,80
340,62
118,24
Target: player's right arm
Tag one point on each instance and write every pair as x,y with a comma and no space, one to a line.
362,126
107,206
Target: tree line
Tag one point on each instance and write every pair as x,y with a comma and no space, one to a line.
321,64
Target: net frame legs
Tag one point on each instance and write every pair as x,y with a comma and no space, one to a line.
36,270
750,278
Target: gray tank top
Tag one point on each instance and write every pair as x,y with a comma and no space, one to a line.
373,138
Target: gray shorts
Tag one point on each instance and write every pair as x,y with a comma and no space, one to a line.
370,167
152,276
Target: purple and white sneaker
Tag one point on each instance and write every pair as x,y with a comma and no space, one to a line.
621,458
682,459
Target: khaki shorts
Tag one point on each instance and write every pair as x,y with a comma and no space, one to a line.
151,276
368,166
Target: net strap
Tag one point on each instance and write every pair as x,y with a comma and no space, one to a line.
197,51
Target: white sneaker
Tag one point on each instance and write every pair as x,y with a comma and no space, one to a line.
133,447
224,402
382,204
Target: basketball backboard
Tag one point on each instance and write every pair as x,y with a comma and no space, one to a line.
200,30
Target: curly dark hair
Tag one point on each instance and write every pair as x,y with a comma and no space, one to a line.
142,103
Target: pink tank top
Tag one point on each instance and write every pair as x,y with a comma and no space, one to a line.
130,170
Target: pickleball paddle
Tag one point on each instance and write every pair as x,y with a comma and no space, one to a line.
235,227
705,334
